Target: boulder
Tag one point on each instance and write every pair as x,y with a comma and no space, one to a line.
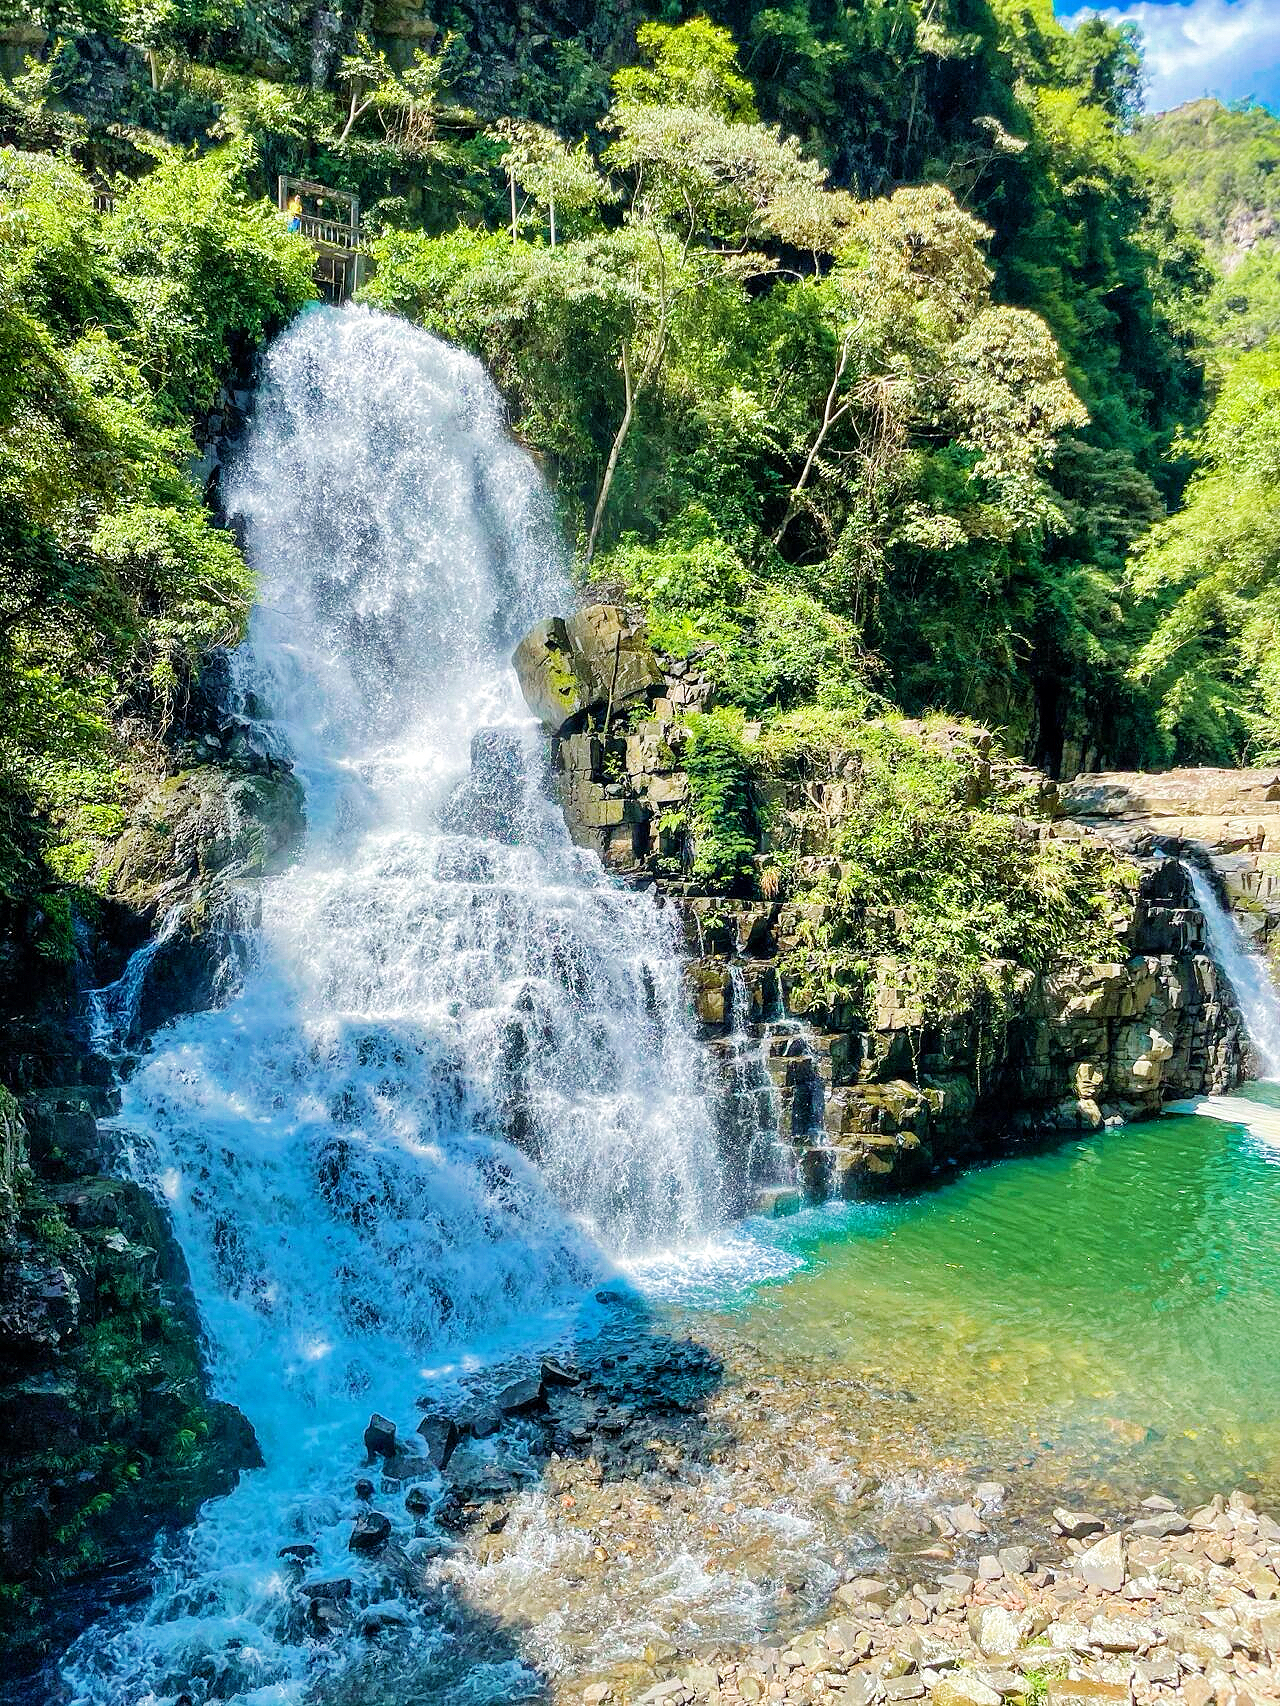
370,1533
338,1587
964,1690
379,1437
439,1436
521,1396
594,658
1077,1525
1102,1565
996,1630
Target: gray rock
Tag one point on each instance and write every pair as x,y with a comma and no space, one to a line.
1077,1525
370,1533
520,1397
1161,1525
379,1437
996,1631
867,1590
439,1436
966,1520
1016,1560
336,1587
1102,1565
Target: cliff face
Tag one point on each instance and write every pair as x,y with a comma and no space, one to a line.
872,1094
108,1429
1227,820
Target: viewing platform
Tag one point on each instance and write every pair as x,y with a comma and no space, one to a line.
330,221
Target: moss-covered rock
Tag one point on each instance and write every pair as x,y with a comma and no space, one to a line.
107,1428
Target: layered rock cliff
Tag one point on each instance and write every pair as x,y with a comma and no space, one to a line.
872,1092
1226,820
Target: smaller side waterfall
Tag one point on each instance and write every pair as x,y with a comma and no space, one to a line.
1245,971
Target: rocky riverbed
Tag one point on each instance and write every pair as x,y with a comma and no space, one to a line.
672,1516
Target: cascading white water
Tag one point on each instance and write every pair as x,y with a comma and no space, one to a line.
1245,971
439,973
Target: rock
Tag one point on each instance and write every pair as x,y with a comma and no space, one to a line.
1121,1634
1102,1565
543,663
521,1397
336,1587
966,1520
300,1554
416,1502
990,1569
439,1436
995,1630
1160,1526
1083,1691
962,1690
375,1622
866,1590
480,1422
379,1438
370,1533
568,668
1015,1560
1077,1525
555,1373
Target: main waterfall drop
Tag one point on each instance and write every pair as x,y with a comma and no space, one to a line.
459,1077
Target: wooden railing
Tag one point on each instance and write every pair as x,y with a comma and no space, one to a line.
332,233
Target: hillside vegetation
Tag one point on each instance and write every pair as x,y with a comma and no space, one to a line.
866,347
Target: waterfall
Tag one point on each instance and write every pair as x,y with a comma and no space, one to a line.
1245,971
459,1078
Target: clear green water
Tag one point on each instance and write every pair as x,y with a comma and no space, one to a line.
1108,1311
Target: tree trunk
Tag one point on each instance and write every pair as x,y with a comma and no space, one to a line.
611,466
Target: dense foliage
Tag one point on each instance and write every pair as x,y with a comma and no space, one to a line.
114,580
865,345
1210,575
932,874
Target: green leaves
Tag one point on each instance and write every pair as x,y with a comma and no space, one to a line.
1208,581
113,579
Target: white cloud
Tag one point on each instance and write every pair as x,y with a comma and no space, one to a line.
1229,48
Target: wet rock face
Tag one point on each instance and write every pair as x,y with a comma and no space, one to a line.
200,843
106,1426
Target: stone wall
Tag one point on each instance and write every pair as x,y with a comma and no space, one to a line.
872,1100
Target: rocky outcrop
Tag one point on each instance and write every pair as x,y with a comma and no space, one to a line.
900,1095
1228,820
873,1093
107,1428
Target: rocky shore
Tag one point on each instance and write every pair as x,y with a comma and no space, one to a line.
659,1519
1160,1605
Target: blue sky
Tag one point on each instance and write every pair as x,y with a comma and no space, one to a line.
1228,48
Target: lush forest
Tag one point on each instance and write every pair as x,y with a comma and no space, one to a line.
880,353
